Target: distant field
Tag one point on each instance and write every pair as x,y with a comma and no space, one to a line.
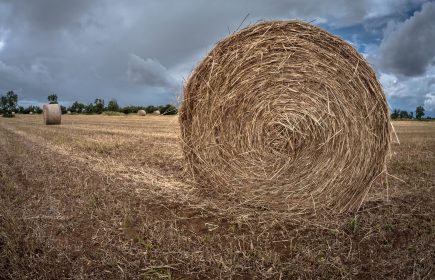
105,197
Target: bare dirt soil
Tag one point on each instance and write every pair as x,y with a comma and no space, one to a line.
106,197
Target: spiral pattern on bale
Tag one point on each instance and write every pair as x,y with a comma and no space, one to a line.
52,114
286,114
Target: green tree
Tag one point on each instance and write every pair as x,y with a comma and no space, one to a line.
90,108
419,112
150,109
168,110
404,115
38,110
395,114
33,108
113,106
76,107
52,99
63,109
8,103
99,106
126,110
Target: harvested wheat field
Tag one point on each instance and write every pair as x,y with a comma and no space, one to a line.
108,197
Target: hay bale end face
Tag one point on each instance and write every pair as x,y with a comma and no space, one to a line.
287,115
141,113
52,114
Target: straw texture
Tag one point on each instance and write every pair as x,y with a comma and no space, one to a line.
52,114
286,115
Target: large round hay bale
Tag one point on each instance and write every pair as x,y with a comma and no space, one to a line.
157,112
52,114
141,113
287,115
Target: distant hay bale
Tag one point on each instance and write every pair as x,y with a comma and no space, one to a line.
141,113
31,113
157,112
13,113
285,115
52,114
68,112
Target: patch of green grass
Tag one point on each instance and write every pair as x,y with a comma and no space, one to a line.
353,225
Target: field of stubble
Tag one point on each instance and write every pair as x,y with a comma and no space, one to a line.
104,197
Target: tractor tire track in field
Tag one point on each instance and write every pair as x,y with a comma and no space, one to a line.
86,213
149,177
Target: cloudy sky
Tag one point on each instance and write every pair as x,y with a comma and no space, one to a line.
140,52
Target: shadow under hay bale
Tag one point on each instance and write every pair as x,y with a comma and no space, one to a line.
52,114
288,116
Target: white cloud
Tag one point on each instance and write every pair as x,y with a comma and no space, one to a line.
379,8
3,36
407,93
391,85
408,48
429,102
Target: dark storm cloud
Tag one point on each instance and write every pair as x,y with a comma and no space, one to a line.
139,51
83,49
48,14
410,47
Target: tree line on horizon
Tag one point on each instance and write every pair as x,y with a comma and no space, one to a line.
401,114
9,106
